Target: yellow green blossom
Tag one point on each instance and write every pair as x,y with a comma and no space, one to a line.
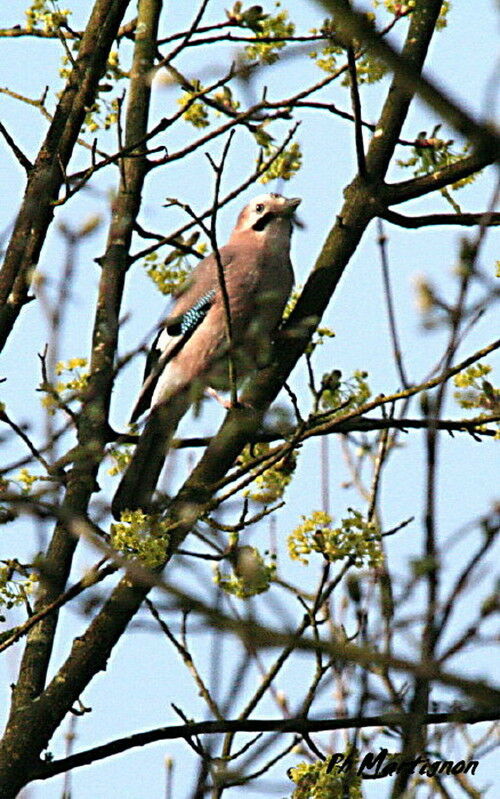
141,536
271,484
319,781
355,538
250,574
268,28
26,479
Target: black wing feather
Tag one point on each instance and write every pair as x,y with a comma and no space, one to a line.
183,326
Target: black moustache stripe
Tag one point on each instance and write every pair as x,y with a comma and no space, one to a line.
264,221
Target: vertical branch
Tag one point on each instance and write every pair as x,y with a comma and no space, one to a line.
377,470
356,109
220,272
396,347
325,474
211,232
414,737
92,422
47,175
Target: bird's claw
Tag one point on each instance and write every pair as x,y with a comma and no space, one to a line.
228,404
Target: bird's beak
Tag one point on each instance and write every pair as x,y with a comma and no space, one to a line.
291,205
289,211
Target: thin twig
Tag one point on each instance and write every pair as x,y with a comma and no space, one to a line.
391,313
261,169
377,471
4,417
23,160
185,38
219,168
187,658
464,577
358,117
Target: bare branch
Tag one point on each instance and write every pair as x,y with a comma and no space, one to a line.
358,117
25,162
301,725
396,347
394,193
427,220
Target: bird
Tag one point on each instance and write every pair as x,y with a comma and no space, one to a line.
190,352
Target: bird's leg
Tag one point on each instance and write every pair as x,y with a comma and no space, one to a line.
226,403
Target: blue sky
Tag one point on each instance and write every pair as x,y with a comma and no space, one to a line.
144,675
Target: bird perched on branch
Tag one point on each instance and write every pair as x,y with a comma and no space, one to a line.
208,321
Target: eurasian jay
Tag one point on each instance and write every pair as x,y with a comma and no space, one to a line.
189,350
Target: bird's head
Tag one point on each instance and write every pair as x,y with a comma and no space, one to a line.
266,213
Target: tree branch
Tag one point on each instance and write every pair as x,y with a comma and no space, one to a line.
298,725
407,66
357,113
92,577
394,193
46,177
389,302
18,748
415,222
25,162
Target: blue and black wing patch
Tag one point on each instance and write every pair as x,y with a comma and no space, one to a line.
182,326
186,324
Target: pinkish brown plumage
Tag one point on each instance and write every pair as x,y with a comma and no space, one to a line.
191,347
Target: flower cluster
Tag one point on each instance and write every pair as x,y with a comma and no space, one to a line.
351,393
39,14
270,27
250,574
318,781
121,456
475,391
15,590
431,153
141,536
196,112
356,538
327,58
169,275
285,165
25,479
65,391
271,484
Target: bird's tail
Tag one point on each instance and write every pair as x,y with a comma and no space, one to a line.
137,485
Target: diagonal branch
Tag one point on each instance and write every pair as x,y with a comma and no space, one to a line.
406,67
394,193
25,162
92,577
47,175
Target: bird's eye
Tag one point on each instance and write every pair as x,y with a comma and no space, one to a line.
259,207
